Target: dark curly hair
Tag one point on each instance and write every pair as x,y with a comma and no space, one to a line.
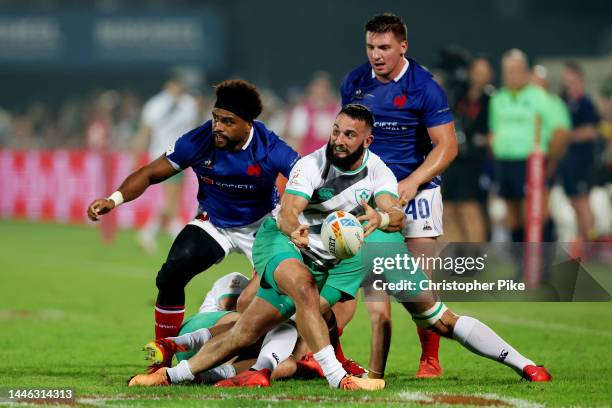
239,97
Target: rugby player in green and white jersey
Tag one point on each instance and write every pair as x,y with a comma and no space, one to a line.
288,285
217,314
298,275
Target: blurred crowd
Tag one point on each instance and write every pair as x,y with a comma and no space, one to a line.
482,189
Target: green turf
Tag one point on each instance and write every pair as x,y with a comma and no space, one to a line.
74,313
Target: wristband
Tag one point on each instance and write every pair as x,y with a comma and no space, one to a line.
384,220
117,198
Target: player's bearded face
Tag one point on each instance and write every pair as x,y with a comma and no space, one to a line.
340,156
229,130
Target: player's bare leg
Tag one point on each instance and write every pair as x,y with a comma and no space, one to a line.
259,318
345,311
296,281
380,322
429,363
285,369
161,351
248,294
473,335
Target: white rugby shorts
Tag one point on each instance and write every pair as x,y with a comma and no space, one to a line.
423,214
236,239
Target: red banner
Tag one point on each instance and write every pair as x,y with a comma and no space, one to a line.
58,185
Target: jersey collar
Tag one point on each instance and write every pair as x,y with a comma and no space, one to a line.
248,142
401,74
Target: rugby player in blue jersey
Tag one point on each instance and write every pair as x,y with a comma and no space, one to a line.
237,161
415,136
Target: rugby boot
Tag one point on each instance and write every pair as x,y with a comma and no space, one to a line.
157,378
536,374
352,383
429,367
248,378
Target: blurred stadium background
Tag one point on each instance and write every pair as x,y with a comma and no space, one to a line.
75,76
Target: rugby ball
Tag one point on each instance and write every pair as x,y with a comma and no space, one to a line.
342,234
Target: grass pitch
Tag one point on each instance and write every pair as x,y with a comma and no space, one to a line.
74,313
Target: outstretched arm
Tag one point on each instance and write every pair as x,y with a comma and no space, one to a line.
133,186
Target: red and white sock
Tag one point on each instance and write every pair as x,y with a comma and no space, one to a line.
168,320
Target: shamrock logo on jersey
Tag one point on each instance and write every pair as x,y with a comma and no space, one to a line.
362,194
326,193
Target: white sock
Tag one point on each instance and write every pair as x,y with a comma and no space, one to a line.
276,347
180,373
480,339
216,374
193,341
331,366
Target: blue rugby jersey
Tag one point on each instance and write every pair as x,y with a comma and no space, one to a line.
235,188
403,110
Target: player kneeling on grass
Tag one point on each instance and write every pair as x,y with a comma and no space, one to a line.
217,313
297,274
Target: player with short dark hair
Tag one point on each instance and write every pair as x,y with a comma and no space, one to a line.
298,275
237,161
414,135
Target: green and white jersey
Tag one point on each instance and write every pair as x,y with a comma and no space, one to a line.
230,285
328,189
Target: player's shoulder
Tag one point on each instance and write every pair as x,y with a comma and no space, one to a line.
266,142
418,76
263,133
374,161
316,159
358,76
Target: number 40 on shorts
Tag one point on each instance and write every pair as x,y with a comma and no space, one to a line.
418,208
